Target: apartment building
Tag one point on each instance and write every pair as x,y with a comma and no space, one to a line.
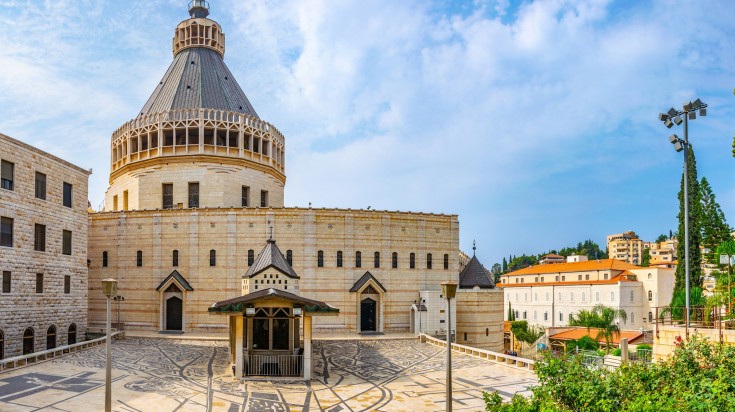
626,246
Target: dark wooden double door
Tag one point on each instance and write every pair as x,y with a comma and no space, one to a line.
368,315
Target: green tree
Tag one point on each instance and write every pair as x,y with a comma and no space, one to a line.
525,333
521,262
661,238
646,258
715,229
511,314
725,280
695,257
602,318
505,266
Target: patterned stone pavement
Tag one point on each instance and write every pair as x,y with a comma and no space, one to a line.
186,375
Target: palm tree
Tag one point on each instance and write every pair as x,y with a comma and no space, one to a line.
602,318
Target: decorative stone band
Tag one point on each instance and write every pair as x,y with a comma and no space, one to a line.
198,132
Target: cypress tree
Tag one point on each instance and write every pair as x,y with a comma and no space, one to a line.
695,233
715,230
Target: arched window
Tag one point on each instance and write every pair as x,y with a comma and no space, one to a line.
428,261
320,259
358,259
465,336
412,261
446,261
376,262
394,260
487,331
212,257
2,345
649,276
289,257
631,295
28,337
175,258
251,257
72,335
139,258
650,316
104,259
51,337
650,295
339,258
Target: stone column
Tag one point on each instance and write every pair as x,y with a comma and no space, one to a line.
307,348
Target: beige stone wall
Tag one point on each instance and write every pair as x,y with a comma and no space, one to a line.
665,338
232,232
480,318
23,307
219,186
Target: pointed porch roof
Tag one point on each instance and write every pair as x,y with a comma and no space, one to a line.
365,279
178,279
269,257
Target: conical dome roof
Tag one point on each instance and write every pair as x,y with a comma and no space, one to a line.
198,78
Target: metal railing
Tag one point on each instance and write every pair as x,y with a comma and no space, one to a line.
274,365
35,357
699,318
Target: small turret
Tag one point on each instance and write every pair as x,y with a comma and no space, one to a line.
198,9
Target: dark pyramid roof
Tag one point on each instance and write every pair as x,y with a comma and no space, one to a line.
474,274
363,280
180,279
237,304
270,256
198,78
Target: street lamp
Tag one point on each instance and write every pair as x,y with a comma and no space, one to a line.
728,259
670,118
109,287
449,290
118,299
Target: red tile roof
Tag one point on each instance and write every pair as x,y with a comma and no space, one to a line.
576,334
623,277
590,265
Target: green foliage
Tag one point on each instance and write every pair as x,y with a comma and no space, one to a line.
521,262
715,229
699,376
505,265
601,317
616,352
587,248
511,314
662,238
678,303
524,333
695,234
583,343
646,258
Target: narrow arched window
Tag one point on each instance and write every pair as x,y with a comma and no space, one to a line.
28,341
104,259
139,258
2,345
72,335
446,261
175,259
339,258
376,262
251,257
320,259
212,257
428,261
412,260
650,295
51,337
358,259
289,257
394,260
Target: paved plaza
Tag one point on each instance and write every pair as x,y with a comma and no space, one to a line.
187,375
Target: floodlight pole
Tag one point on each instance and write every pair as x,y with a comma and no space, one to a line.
686,215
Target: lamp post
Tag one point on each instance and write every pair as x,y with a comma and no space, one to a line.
118,299
670,118
109,287
728,259
449,290
419,304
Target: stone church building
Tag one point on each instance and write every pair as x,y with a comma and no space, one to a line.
196,191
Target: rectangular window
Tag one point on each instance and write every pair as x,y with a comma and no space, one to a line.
376,262
446,261
168,195
246,196
561,317
114,203
125,200
428,261
66,242
6,231
67,284
6,174
67,194
263,198
280,334
6,281
261,340
339,259
412,261
39,282
40,186
39,239
193,194
358,259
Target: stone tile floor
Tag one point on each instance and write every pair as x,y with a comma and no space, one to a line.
189,375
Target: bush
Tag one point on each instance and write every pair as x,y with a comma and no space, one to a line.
616,352
699,376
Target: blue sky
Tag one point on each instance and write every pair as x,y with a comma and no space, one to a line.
534,121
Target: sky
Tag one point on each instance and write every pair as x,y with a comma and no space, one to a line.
534,121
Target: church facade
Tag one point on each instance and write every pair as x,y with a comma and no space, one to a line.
196,190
